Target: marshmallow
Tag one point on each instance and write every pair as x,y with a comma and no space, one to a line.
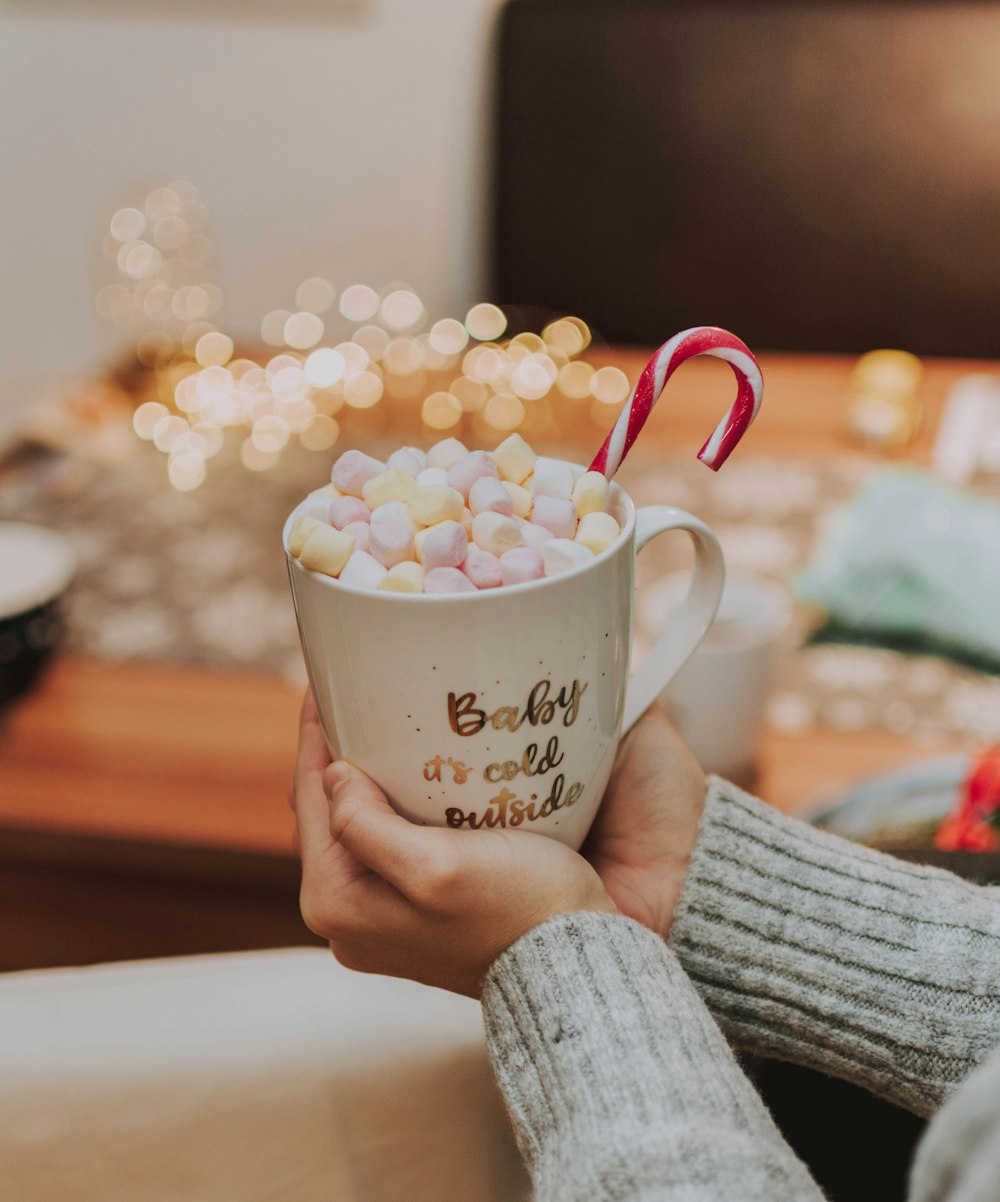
302,527
477,465
362,571
430,505
590,493
521,565
419,455
495,533
405,577
562,554
552,478
328,490
442,546
345,510
391,485
360,533
406,461
390,541
433,477
482,568
489,496
532,534
395,509
318,508
597,531
557,516
446,453
353,469
515,460
520,499
467,517
447,580
326,550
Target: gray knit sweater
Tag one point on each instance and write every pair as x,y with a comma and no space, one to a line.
611,1048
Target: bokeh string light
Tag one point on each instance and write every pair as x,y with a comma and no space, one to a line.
354,352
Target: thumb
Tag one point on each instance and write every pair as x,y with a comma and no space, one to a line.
364,823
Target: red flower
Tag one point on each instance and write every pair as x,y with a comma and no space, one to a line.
974,824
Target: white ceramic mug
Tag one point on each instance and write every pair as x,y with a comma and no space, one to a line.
717,699
505,707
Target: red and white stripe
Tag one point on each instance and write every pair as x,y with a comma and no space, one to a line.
700,340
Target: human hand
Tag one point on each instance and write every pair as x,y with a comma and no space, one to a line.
646,828
428,903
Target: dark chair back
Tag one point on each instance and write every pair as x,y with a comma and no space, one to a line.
816,176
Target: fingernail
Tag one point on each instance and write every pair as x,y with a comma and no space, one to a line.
336,774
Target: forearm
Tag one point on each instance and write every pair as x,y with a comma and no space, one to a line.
617,1080
813,949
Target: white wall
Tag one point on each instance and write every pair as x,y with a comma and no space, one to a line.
325,136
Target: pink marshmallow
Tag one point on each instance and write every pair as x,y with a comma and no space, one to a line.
533,535
482,568
390,541
346,510
447,580
477,465
556,515
489,495
359,532
444,546
406,461
521,565
353,470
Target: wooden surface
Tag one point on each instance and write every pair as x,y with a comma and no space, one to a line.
121,782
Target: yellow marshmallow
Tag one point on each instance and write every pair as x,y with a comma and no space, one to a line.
435,504
515,460
590,493
328,490
495,533
406,577
391,485
597,531
520,498
326,550
302,527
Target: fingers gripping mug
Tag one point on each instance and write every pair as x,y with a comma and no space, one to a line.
502,708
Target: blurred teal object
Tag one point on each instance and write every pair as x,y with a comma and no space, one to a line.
913,564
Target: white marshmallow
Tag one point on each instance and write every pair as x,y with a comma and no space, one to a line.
406,461
390,541
353,469
495,533
446,453
319,508
489,495
521,565
533,534
555,515
393,509
447,580
552,478
433,477
562,554
363,571
442,546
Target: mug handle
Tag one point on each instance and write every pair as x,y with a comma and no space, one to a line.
687,627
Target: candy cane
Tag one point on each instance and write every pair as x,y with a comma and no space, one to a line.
700,340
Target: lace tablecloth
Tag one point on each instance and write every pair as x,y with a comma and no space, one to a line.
200,577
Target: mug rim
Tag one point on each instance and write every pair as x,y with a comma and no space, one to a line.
625,536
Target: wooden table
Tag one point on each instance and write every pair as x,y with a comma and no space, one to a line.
143,807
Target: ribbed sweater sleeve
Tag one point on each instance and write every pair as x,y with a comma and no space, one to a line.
809,948
618,1082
